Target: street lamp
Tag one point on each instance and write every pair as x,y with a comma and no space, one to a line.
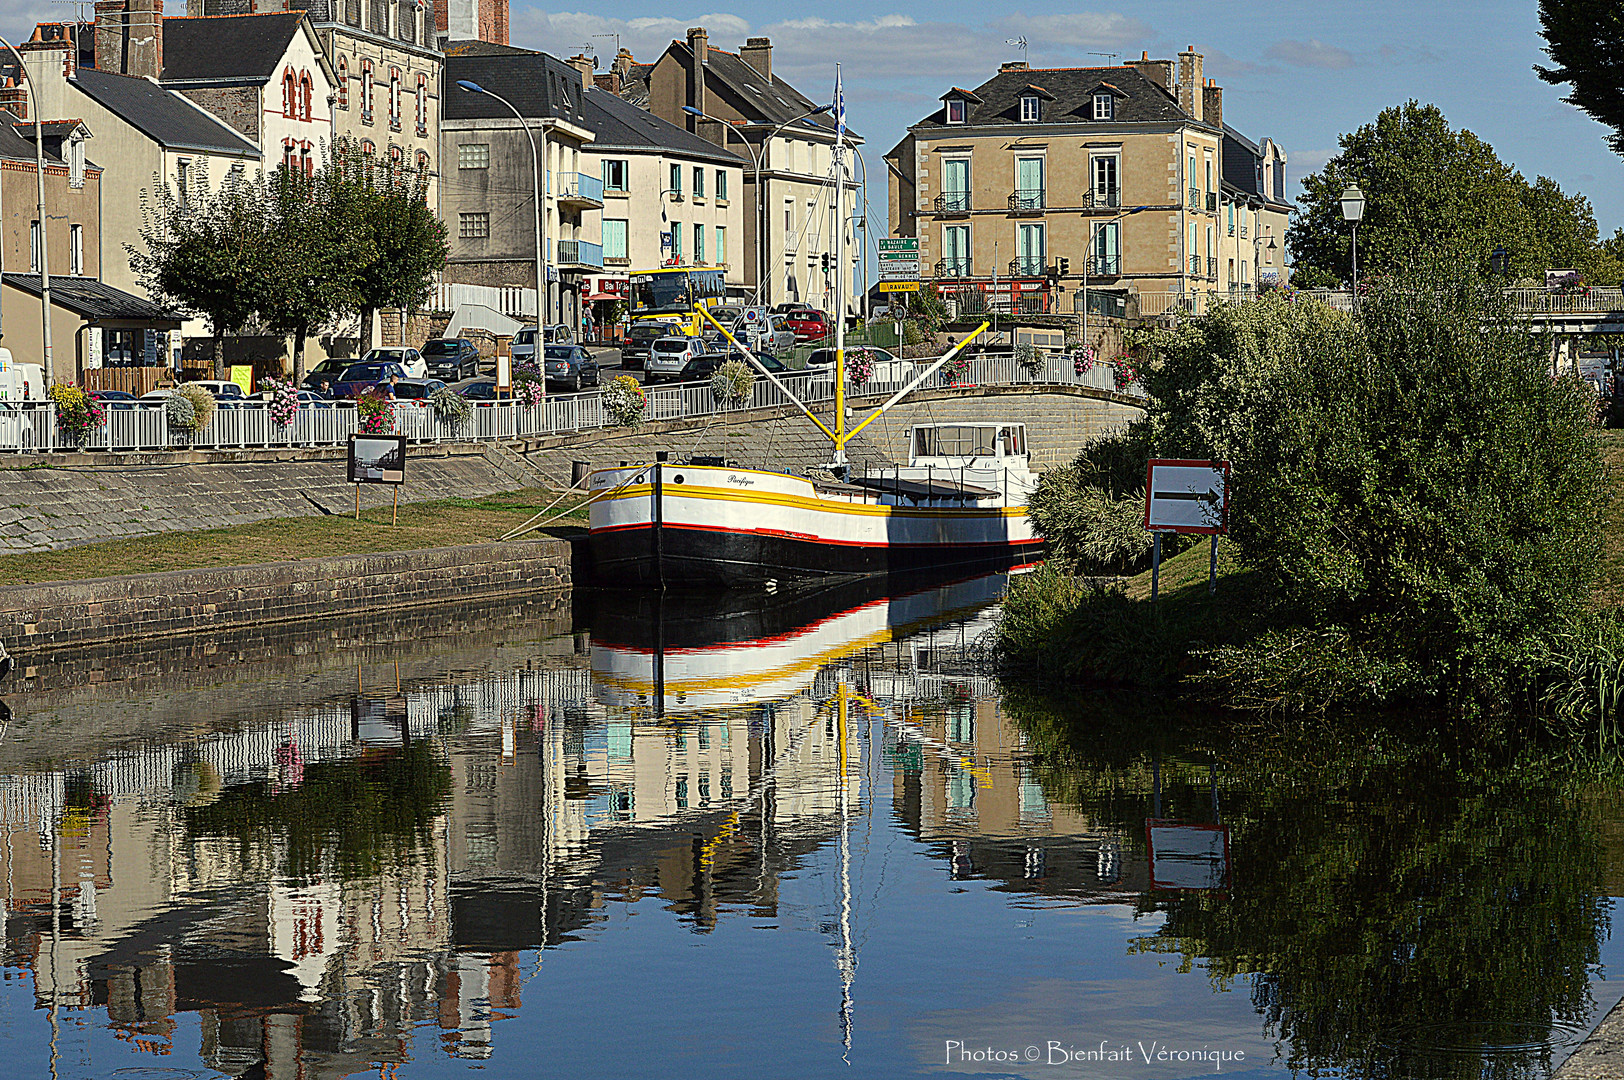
1353,209
1093,235
1499,262
1257,261
535,157
44,248
762,295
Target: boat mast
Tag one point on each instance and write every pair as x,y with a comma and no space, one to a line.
838,465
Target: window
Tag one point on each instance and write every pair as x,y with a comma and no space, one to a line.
614,175
76,250
721,184
956,250
397,156
1030,107
676,240
33,247
1108,248
289,94
343,82
368,147
955,184
423,161
1029,183
955,110
183,177
366,91
422,104
1104,107
614,240
1193,181
394,98
1106,170
474,156
699,243
1030,247
1231,214
721,250
76,162
474,226
699,182
306,96
789,219
1209,174
287,155
676,180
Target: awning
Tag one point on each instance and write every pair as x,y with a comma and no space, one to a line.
96,302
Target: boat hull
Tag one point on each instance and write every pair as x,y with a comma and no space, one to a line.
731,528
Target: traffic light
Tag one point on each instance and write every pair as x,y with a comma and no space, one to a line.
1065,265
824,259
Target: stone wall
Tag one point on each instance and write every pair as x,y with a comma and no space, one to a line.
38,618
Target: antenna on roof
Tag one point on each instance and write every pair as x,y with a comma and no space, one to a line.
617,41
1019,43
1107,55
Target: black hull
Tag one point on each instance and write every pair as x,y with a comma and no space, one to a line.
683,558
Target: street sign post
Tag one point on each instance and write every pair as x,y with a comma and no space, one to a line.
898,258
1186,496
899,286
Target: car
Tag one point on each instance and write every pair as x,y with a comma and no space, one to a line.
227,394
359,378
668,355
523,346
634,348
451,358
410,359
809,325
571,366
764,332
417,391
478,391
704,365
792,305
884,367
116,399
557,334
328,370
308,399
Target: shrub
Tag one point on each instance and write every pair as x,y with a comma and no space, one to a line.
190,408
732,383
77,413
450,407
376,411
624,401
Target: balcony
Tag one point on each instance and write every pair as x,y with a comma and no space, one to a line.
953,268
1027,201
579,191
1212,202
953,202
1231,228
1212,269
1195,266
1195,198
1027,266
580,253
1105,266
1105,198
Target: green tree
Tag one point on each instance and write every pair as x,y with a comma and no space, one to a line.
1585,39
313,251
205,252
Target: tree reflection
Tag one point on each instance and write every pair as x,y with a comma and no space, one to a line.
1397,914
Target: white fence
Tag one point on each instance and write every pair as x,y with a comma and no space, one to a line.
32,428
510,300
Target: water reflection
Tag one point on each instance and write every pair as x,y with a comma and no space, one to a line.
817,818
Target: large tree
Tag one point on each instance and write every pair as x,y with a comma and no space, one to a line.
1431,188
1585,38
315,248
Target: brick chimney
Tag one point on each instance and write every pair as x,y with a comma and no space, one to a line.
1159,72
1190,94
1212,103
699,46
14,99
130,37
758,53
586,66
609,80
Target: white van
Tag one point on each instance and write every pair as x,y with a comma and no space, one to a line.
20,382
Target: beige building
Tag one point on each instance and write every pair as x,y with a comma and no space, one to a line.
1020,186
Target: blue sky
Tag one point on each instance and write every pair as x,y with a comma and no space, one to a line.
1302,73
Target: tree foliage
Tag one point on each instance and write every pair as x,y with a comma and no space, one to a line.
1432,189
1585,40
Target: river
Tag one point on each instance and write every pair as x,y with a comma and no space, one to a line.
631,837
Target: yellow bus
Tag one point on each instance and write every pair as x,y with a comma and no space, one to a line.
673,295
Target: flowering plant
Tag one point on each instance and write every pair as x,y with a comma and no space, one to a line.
377,412
859,368
732,383
77,413
529,393
1082,361
1123,371
1028,357
955,369
451,407
624,401
284,401
189,408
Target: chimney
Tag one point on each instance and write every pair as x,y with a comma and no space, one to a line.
699,46
609,80
14,99
1190,94
758,53
1159,72
1212,103
1013,65
130,37
586,66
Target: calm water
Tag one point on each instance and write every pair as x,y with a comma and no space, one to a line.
668,840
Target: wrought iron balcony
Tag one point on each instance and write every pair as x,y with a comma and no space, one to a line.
1212,269
1105,266
1027,266
1195,266
1212,202
953,202
1108,198
953,268
1027,200
1195,198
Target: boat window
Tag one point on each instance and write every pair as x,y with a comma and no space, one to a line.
953,441
1006,437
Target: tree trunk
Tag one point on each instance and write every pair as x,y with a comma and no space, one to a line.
299,336
219,355
367,314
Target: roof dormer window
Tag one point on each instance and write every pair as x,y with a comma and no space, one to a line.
1104,106
955,110
1031,108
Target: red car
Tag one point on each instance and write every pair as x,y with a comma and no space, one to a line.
808,325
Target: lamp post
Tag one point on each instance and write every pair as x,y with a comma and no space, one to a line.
1353,209
44,248
1093,235
542,291
762,293
1257,261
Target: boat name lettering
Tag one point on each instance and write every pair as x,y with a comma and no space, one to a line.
742,481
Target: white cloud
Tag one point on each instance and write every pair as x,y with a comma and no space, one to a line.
1312,53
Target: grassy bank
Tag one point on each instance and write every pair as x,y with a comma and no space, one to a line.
442,523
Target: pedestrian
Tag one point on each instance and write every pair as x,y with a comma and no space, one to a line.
326,389
386,387
586,325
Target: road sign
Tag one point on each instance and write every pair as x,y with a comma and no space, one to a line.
1187,496
899,286
892,244
898,258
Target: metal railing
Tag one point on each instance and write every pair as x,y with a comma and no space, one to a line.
580,253
1195,198
1105,265
249,426
580,187
1212,202
1108,198
953,268
1026,199
953,202
1027,266
1570,302
1195,266
1148,304
1212,268
508,299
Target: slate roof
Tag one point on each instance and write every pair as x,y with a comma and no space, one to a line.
15,146
758,100
538,85
162,115
227,48
621,125
998,100
94,300
1243,167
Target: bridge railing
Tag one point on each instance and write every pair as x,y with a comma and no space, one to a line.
1576,302
33,427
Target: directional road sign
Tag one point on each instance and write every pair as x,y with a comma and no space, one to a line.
898,258
1187,496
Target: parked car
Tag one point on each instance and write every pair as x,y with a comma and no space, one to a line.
227,395
792,305
523,346
359,378
116,399
634,348
328,370
571,366
308,399
451,358
478,391
886,368
809,325
767,333
668,355
557,334
417,391
410,359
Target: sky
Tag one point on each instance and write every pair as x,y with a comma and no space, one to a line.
1300,73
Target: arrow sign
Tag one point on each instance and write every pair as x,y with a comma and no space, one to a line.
1187,496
